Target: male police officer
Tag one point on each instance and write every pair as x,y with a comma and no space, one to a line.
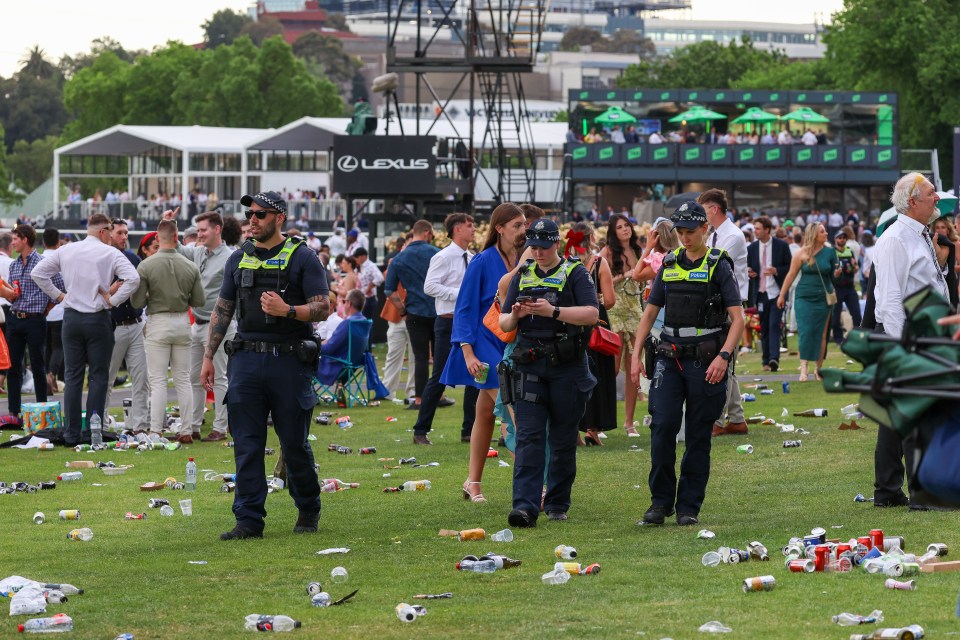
551,303
277,287
697,290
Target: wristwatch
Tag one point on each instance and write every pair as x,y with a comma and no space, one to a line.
725,355
292,313
556,313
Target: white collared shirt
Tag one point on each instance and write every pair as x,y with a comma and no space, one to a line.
445,276
729,237
773,289
87,267
904,266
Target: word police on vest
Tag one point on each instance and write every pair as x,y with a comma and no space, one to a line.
348,164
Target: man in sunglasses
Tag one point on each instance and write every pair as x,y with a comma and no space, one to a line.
277,288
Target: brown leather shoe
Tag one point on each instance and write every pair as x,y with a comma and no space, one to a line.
718,430
421,439
735,428
214,436
197,436
185,439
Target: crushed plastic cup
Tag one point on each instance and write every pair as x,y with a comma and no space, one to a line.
339,575
502,536
711,559
714,626
557,576
186,507
166,510
320,599
706,534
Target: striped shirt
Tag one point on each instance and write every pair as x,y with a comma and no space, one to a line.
32,298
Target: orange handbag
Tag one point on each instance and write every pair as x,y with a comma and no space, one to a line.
492,322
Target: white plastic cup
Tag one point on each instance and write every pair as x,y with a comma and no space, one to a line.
339,575
38,517
502,536
711,559
186,507
166,510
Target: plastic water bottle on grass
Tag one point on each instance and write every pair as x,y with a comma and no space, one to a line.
96,432
257,622
191,483
56,624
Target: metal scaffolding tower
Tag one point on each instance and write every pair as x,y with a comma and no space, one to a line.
494,43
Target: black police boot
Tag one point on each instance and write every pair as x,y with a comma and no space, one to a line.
521,519
240,533
687,519
655,515
307,522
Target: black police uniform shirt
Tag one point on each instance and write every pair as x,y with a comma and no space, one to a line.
722,278
579,283
304,270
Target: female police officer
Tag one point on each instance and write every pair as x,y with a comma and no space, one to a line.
698,291
551,303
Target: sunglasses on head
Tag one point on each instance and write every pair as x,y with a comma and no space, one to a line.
260,214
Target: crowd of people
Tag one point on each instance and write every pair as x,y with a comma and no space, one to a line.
511,322
630,135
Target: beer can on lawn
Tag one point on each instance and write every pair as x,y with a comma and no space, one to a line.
842,548
801,566
866,541
70,514
745,448
910,568
821,556
876,538
786,386
821,533
889,542
939,548
789,444
759,583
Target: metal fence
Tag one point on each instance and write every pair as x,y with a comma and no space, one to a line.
316,210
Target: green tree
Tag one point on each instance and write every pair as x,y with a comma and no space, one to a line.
337,21
224,27
704,64
151,95
626,41
31,162
70,65
266,27
326,59
33,100
95,96
576,37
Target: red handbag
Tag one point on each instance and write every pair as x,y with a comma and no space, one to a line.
604,341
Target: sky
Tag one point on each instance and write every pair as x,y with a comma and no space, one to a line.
68,26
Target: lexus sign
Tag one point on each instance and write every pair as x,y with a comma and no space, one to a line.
368,165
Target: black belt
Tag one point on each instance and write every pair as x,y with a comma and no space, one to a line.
199,322
671,350
128,321
24,315
264,347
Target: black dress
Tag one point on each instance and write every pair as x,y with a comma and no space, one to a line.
601,413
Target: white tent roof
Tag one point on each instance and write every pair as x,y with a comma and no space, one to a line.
122,140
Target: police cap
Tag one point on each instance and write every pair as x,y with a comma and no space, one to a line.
544,233
689,215
267,199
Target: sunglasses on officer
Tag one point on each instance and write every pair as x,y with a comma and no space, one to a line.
261,214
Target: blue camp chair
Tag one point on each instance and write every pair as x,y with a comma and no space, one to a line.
345,377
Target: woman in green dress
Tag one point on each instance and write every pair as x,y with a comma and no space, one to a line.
818,263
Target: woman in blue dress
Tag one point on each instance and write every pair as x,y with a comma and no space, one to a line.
472,343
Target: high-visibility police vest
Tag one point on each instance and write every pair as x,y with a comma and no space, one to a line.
690,300
255,277
553,289
845,279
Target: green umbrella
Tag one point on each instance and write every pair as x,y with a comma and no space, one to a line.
755,114
806,114
614,115
698,114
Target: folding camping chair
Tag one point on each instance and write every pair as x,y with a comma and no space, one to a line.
345,378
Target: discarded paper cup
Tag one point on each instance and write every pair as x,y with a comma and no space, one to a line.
339,575
186,507
502,536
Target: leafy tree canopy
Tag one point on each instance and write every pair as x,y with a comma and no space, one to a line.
224,27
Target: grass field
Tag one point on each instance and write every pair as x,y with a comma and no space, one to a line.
652,585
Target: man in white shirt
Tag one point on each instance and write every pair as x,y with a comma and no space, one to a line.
337,243
809,138
655,138
729,237
834,223
88,269
443,283
905,260
784,137
368,279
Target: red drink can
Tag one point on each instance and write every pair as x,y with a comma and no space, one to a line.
16,288
876,538
842,548
822,555
865,541
801,566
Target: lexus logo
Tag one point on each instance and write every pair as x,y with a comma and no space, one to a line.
347,163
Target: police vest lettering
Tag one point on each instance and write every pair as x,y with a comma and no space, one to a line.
551,289
258,276
690,299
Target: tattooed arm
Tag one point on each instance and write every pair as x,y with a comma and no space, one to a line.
219,322
318,308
